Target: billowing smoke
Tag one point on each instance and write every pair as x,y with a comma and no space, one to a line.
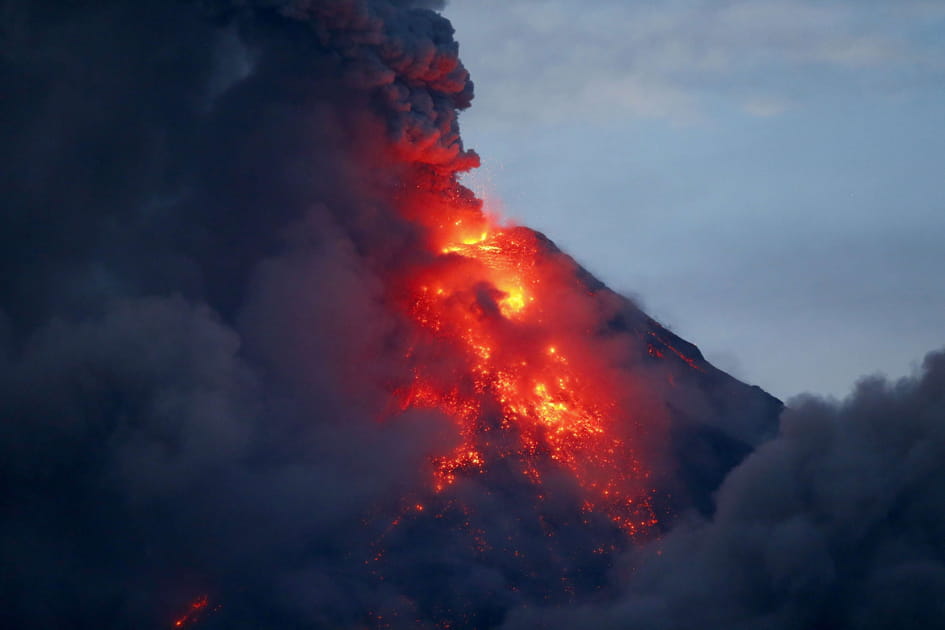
838,522
209,209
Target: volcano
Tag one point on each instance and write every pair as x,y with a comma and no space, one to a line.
583,425
583,428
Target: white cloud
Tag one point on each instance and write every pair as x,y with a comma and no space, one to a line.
640,59
765,106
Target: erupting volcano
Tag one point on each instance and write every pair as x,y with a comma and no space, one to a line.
300,368
266,362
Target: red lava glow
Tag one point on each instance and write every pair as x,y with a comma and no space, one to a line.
197,609
510,354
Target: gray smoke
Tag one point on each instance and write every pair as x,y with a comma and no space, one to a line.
838,522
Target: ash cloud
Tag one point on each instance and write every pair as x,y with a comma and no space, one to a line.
838,522
195,195
195,349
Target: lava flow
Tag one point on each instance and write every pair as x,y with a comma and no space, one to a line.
197,609
510,352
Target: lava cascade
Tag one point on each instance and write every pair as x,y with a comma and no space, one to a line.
196,611
510,348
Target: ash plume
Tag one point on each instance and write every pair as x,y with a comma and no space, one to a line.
208,208
838,522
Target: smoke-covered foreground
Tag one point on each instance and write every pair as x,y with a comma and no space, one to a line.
219,222
839,522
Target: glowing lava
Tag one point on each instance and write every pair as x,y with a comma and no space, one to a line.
511,354
194,612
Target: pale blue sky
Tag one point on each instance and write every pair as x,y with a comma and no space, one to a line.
767,177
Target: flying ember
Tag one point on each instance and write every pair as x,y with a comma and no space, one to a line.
194,612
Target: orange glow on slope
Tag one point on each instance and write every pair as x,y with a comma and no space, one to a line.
525,380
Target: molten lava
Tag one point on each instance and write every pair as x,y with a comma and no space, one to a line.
511,352
194,612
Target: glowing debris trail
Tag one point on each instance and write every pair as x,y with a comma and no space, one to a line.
193,614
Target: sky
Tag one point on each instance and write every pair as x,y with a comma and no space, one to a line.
764,177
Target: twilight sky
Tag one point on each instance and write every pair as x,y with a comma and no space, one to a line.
764,176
